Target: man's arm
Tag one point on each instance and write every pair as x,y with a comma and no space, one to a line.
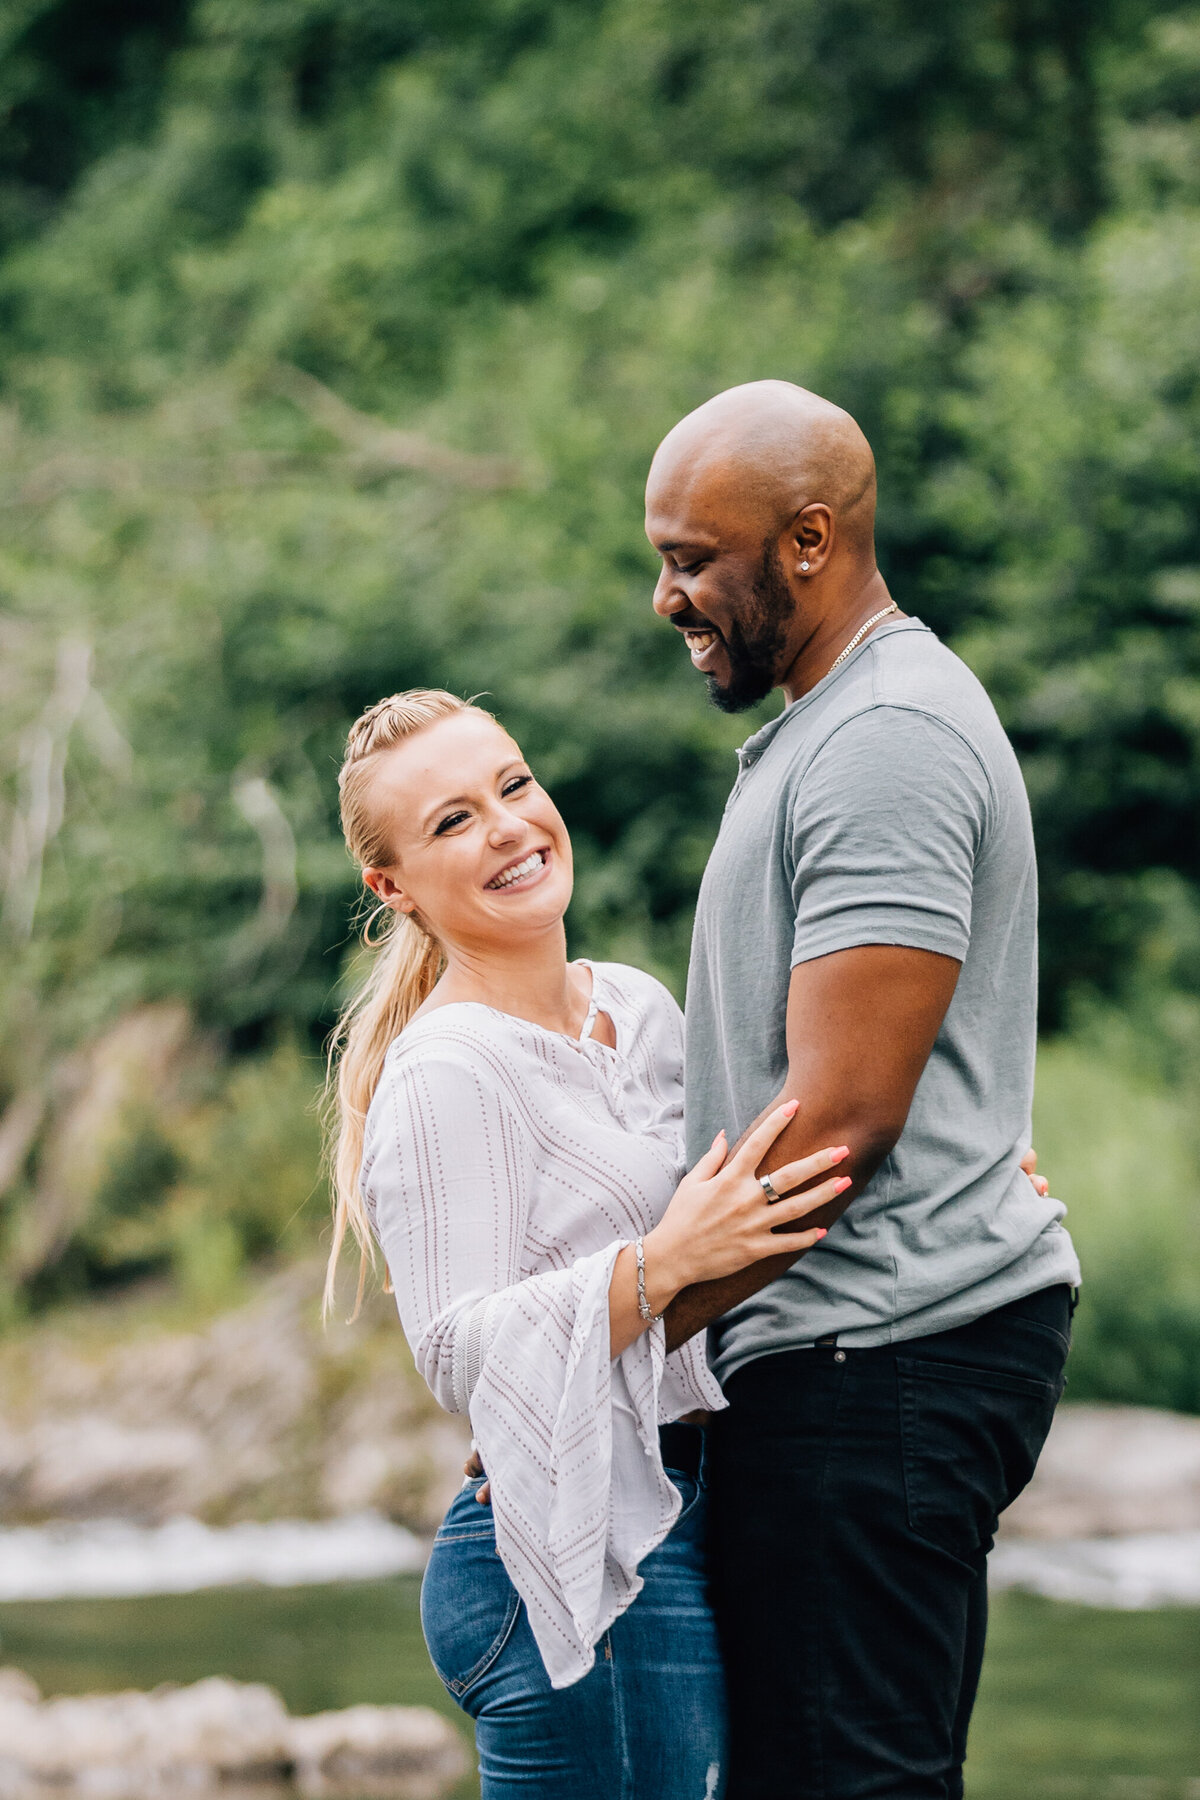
860,1026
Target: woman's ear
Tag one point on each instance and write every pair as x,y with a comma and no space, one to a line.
386,891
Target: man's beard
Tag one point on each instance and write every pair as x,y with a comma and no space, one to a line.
754,643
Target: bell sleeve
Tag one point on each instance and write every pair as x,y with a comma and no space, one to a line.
567,1434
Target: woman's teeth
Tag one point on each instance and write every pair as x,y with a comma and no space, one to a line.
506,877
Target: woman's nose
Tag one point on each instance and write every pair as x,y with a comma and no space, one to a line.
505,826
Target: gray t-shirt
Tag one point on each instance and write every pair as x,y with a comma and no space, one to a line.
883,807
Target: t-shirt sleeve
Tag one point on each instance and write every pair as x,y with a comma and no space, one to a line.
886,825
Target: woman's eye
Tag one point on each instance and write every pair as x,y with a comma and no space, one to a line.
517,784
448,823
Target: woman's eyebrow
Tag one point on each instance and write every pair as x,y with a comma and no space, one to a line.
442,806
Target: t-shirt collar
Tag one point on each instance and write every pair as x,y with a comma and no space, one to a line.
754,746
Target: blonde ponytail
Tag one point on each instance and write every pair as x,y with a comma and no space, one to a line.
406,963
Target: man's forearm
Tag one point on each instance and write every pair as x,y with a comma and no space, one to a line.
697,1307
860,1026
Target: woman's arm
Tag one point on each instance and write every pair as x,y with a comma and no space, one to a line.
720,1221
448,1169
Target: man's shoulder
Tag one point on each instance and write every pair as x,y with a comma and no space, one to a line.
907,681
912,665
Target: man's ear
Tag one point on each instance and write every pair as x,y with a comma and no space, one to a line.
810,541
386,891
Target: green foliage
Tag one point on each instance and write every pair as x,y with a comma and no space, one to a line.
250,1184
200,1189
1120,1143
336,340
75,76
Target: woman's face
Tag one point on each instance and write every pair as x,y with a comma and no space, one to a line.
481,853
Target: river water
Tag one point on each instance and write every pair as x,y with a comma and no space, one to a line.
1079,1702
111,1559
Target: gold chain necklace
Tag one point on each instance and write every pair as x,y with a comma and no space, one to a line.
861,633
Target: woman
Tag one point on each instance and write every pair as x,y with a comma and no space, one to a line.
509,1127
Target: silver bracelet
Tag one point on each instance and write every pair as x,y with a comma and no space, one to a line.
650,1318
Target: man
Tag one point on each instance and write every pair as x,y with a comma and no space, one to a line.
865,943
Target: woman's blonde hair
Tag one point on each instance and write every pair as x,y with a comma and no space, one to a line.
406,962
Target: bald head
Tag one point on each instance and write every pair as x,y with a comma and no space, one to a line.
767,449
761,505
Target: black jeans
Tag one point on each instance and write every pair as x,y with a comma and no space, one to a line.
854,1494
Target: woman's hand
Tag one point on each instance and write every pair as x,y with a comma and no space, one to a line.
1029,1164
720,1219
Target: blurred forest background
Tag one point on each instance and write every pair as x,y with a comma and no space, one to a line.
335,337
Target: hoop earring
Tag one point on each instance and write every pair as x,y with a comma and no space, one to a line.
369,939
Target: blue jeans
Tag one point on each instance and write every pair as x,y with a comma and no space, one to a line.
648,1720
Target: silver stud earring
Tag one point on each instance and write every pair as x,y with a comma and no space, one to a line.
804,564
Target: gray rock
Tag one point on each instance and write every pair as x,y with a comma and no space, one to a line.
1111,1470
367,1750
216,1734
263,1413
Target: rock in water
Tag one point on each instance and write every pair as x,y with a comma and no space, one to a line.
216,1734
1111,1470
382,1750
263,1413
172,1739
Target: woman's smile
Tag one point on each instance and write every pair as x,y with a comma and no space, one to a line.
467,822
522,872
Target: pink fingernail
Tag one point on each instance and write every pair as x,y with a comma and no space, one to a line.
790,1107
839,1187
838,1155
822,1233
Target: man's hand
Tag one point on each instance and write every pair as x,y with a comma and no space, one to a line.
860,1026
473,1469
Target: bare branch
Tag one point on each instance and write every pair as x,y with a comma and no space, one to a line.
106,737
257,802
18,1128
39,813
131,476
384,446
73,473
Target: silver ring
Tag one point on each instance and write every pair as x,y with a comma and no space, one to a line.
769,1189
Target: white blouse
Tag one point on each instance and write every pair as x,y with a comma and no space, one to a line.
504,1167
